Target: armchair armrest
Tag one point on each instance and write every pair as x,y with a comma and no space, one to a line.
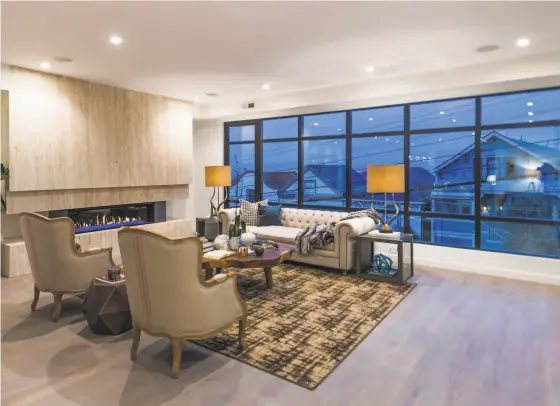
95,262
217,279
221,300
226,217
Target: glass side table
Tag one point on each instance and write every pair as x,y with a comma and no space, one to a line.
365,254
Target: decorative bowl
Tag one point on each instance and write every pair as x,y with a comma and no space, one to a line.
248,239
258,250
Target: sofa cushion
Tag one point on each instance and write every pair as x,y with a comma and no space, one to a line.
279,234
250,211
269,216
302,218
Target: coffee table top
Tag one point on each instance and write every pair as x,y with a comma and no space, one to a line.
270,257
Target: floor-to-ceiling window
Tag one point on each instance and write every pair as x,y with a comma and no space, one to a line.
481,172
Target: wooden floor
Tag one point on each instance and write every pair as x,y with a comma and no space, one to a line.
456,340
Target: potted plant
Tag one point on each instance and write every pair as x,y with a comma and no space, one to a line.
235,230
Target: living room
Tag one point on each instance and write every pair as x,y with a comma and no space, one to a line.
234,203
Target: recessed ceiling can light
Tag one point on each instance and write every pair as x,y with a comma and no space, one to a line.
116,40
523,42
266,86
530,113
45,65
369,68
530,104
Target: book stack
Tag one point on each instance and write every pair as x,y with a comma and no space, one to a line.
207,246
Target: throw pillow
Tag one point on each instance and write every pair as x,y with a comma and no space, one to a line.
270,216
250,211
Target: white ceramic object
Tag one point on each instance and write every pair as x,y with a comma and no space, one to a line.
248,239
221,242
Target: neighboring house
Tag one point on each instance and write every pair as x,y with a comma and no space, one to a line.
242,186
275,185
519,179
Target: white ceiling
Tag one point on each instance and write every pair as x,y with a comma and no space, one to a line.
187,49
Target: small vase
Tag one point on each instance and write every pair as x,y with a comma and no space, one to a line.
234,243
248,239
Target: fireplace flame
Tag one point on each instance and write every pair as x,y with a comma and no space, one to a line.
99,221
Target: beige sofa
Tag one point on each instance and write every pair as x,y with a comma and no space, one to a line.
339,255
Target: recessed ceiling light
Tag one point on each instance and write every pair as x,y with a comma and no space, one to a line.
530,113
369,68
442,112
45,65
530,104
266,86
115,40
523,42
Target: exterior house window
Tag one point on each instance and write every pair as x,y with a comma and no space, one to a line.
492,166
310,186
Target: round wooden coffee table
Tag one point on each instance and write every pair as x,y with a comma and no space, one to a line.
271,257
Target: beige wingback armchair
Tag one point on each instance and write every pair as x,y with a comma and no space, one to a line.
57,266
167,293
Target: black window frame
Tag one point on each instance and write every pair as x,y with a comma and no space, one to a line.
348,136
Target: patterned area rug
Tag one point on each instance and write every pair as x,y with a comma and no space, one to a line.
304,327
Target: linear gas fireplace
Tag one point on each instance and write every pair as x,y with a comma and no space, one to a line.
91,219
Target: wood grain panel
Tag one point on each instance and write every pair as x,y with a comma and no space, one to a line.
72,134
46,200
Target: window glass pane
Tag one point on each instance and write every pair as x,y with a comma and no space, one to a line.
374,151
242,133
378,120
324,124
520,173
324,177
441,177
280,128
443,231
280,164
521,238
452,113
242,162
521,107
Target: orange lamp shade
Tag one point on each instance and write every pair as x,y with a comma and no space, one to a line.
217,175
385,179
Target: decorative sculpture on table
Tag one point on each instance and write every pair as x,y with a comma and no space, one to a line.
216,177
382,264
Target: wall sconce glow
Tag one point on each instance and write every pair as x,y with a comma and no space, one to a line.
523,42
115,40
45,65
530,104
266,87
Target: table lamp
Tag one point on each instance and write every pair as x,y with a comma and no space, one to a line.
386,179
216,177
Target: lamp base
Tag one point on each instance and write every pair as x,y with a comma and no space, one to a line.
386,228
211,228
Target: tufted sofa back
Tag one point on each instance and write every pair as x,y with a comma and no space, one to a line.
301,218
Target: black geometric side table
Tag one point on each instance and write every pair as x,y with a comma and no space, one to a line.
106,307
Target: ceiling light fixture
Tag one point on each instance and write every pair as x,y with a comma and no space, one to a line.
115,40
523,42
45,65
530,104
266,87
369,68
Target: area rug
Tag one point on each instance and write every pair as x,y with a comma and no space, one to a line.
304,327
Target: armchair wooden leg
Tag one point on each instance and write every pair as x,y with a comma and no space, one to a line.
36,293
57,305
136,331
177,353
242,325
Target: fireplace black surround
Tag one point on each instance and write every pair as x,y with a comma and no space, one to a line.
90,219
